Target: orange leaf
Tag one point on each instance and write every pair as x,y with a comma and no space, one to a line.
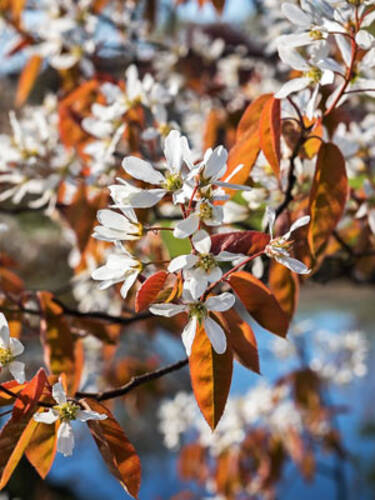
27,78
270,133
260,302
118,453
149,290
249,122
81,213
41,449
17,432
327,197
15,387
312,145
245,242
242,340
211,376
56,337
285,286
246,149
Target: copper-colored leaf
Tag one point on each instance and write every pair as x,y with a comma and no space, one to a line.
270,133
285,286
27,78
211,376
15,387
246,149
17,432
242,340
117,451
245,242
56,337
260,302
149,290
327,197
41,449
81,213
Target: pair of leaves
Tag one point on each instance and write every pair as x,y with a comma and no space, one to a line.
211,373
259,129
17,433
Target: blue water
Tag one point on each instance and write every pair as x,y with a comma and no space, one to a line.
88,476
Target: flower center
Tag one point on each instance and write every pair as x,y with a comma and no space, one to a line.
205,211
67,411
278,246
173,182
315,74
316,35
6,356
198,309
206,262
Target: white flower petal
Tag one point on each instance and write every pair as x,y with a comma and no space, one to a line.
225,256
167,310
202,242
85,415
295,14
58,393
4,332
146,198
216,335
129,280
293,264
302,221
221,302
65,439
371,220
173,150
216,164
16,346
214,274
187,226
46,417
17,369
196,283
188,334
291,86
182,262
142,170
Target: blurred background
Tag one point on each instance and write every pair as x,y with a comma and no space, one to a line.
336,305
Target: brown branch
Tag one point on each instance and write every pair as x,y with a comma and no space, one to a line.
119,320
133,383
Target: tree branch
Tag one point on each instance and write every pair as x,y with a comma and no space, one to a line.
133,383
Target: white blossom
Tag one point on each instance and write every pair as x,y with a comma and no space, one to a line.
64,412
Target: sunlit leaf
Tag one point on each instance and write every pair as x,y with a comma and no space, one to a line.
242,340
149,290
41,449
211,376
327,197
245,242
260,302
17,432
117,451
270,133
285,286
27,78
246,149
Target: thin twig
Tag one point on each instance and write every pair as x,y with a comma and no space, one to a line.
133,383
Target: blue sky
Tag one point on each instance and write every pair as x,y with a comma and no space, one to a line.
235,10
